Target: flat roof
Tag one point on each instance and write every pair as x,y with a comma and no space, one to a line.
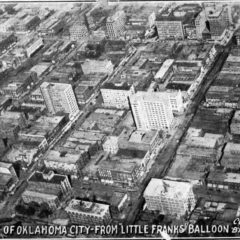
164,68
47,177
57,156
35,194
169,188
86,207
202,142
230,146
220,175
121,86
232,58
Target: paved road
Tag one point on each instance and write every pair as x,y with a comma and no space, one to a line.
166,156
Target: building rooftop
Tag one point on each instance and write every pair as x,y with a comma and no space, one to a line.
40,68
5,179
60,86
220,175
49,177
171,188
164,68
202,142
117,198
232,58
153,96
86,207
138,136
21,152
42,126
115,86
65,157
121,165
48,196
233,148
103,120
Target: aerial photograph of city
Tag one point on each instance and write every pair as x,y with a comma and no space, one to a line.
120,119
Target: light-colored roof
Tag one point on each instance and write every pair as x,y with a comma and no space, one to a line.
56,156
86,207
232,58
164,68
150,96
168,188
41,195
232,147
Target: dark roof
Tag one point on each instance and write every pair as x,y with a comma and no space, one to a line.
131,153
187,18
109,85
178,86
39,177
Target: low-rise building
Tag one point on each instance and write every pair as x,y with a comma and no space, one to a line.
47,188
220,180
11,123
164,71
42,131
33,46
171,196
118,201
88,213
7,41
65,163
8,178
104,120
207,148
141,140
125,168
83,141
83,93
230,158
116,95
21,153
18,85
97,66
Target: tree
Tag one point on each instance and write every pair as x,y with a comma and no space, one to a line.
45,210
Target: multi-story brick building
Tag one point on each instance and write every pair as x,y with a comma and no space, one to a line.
88,213
115,25
169,196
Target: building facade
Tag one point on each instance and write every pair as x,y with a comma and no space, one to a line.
59,97
169,29
115,25
116,96
152,111
88,213
169,196
78,32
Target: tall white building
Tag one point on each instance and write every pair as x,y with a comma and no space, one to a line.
59,97
152,110
169,196
115,24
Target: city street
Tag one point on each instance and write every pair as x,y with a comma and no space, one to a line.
166,157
